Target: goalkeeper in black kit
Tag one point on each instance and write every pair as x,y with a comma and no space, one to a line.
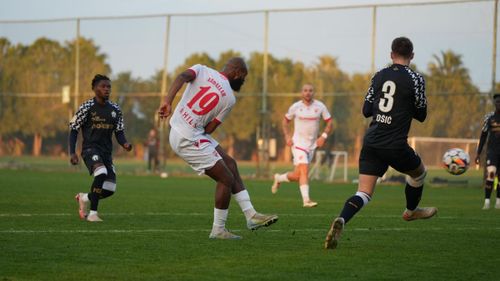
97,118
490,133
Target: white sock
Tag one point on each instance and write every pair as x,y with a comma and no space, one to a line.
85,197
92,213
304,190
486,201
498,201
220,217
243,199
283,178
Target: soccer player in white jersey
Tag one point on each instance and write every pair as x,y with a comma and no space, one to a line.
306,115
205,103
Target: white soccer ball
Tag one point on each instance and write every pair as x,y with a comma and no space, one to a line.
456,161
164,175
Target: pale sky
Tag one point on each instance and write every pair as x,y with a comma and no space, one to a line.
136,45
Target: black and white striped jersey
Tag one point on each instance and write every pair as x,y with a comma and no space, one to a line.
490,131
98,122
396,96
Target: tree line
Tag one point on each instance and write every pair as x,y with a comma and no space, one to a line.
455,105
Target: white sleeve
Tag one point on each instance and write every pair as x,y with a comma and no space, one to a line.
196,69
325,113
291,112
223,114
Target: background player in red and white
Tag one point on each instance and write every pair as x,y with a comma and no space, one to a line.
306,115
205,103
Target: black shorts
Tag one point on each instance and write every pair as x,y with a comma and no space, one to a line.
92,156
492,159
375,161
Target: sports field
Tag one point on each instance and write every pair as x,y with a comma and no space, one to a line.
157,229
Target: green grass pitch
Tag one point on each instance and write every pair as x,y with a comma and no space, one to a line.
157,229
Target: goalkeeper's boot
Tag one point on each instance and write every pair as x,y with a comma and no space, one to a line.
223,234
82,206
259,220
276,184
93,218
419,213
333,235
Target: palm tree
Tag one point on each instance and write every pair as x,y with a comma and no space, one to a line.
453,99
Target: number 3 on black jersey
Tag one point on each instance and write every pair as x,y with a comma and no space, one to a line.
388,89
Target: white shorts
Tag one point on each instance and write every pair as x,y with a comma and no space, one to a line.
200,153
302,155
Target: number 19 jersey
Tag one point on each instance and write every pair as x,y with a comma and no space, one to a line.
395,97
207,98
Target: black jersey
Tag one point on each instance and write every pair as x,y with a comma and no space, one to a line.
396,95
98,122
490,131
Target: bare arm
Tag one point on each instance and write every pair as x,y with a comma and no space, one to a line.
185,77
286,131
328,127
211,126
322,138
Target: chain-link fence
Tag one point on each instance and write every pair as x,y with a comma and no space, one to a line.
334,48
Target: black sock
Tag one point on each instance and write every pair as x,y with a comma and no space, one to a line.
413,196
94,200
488,187
351,207
106,193
498,190
96,191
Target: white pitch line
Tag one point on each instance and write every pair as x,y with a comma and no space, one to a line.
198,214
323,230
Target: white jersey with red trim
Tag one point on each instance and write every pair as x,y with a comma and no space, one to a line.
306,122
208,97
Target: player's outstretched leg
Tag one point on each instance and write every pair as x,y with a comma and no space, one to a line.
100,174
303,170
488,186
334,233
351,207
279,178
83,200
413,191
219,230
254,219
224,179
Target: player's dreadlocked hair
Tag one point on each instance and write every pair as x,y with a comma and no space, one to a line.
97,78
402,46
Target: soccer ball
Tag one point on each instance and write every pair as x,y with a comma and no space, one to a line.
456,161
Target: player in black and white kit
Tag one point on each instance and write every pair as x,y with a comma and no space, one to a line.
491,132
395,97
98,118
